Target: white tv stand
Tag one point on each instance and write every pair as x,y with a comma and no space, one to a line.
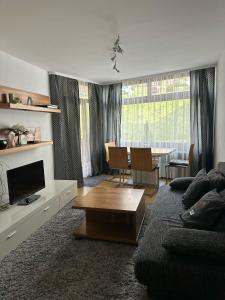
18,222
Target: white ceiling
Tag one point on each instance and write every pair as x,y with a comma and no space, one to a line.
75,37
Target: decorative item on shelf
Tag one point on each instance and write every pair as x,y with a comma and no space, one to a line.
53,106
34,134
4,98
9,136
23,139
11,139
3,143
15,100
20,133
29,101
11,97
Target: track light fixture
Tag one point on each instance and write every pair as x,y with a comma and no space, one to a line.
116,50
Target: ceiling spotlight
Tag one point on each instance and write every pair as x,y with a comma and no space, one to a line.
113,57
115,68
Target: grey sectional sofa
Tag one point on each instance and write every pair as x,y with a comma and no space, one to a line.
171,275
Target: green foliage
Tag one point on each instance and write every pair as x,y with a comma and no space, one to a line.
19,129
156,121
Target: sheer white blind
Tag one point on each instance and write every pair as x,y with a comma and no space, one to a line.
156,112
85,128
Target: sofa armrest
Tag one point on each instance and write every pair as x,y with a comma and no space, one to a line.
193,242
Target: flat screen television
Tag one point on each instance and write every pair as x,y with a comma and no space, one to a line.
24,182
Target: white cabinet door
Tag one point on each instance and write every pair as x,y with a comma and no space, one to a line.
12,237
19,232
45,213
66,196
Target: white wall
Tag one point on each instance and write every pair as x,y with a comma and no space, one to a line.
220,112
22,75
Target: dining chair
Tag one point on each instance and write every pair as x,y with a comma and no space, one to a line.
141,160
118,159
180,163
107,145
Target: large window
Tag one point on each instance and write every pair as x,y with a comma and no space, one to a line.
156,112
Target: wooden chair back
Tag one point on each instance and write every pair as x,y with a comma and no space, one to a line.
141,159
118,158
107,145
191,153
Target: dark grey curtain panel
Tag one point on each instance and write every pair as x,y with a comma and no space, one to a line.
105,121
66,128
112,99
96,128
202,118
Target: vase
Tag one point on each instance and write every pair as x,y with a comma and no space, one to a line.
18,138
22,139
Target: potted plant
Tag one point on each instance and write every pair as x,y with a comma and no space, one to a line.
20,132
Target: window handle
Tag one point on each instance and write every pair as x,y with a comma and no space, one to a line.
11,234
46,208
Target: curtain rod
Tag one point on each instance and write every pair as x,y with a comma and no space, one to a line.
137,78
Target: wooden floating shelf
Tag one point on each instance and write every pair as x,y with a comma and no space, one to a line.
28,107
24,147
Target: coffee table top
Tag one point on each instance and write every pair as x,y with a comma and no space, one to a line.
111,199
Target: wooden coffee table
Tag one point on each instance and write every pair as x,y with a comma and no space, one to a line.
112,214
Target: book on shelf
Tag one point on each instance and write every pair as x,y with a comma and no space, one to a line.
49,106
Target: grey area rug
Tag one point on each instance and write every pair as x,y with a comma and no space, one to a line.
52,264
94,180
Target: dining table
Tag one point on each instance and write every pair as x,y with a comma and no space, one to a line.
158,152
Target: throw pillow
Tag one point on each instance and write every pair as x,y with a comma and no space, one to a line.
216,179
198,187
181,183
205,213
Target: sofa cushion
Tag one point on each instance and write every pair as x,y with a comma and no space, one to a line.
198,187
161,269
199,243
168,202
181,183
204,213
216,179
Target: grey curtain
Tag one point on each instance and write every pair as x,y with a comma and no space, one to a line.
66,128
112,99
202,118
96,128
105,121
